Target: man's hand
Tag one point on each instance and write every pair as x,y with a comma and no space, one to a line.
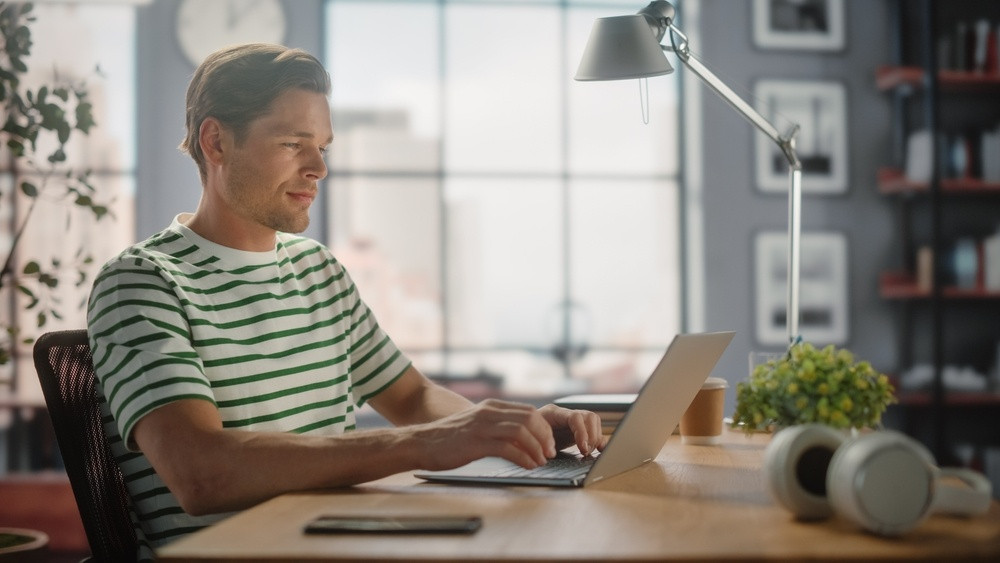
516,432
448,431
582,428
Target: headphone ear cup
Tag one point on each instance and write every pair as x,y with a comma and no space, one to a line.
883,481
796,463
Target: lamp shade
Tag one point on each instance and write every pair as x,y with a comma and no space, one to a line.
622,47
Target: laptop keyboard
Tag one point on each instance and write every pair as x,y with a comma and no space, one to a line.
560,467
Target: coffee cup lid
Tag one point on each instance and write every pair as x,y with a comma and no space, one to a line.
715,383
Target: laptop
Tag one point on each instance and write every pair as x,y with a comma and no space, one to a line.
637,439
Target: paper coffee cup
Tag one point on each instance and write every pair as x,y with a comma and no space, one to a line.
702,421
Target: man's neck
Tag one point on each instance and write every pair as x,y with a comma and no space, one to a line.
231,232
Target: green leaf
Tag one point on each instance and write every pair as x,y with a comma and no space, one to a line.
42,318
29,189
31,268
85,117
16,147
63,131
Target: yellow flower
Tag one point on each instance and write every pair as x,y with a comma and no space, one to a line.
838,418
792,388
846,404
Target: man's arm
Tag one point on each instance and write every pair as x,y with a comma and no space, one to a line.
210,469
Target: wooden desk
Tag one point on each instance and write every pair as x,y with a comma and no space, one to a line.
694,503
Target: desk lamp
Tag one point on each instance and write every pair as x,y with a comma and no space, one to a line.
624,47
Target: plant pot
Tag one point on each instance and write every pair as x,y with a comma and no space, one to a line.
19,544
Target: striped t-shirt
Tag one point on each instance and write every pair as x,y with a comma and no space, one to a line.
277,340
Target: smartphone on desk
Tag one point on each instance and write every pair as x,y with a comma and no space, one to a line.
424,524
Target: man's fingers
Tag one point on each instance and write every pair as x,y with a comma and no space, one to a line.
523,427
586,428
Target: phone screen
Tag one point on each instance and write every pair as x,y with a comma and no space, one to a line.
394,525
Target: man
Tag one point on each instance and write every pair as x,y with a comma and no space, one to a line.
232,354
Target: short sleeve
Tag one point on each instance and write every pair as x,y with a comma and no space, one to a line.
143,355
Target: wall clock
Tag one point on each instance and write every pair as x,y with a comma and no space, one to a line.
204,27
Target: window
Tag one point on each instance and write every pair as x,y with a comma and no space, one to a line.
510,227
100,56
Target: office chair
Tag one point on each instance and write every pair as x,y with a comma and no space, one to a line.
65,369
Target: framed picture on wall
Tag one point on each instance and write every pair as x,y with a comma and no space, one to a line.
822,288
819,107
816,25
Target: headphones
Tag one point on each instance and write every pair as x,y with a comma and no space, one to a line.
885,481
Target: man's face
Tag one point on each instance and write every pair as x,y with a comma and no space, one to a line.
271,178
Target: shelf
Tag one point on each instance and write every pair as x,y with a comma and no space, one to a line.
894,181
902,285
889,77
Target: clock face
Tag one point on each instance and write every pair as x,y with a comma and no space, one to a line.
205,26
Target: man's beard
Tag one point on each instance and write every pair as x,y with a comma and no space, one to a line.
242,190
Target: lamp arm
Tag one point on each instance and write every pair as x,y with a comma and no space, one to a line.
785,142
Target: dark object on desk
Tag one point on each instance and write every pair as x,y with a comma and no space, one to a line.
65,370
394,525
598,402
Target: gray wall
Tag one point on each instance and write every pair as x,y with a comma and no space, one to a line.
168,180
735,209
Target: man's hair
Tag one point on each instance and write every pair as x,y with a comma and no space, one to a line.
236,85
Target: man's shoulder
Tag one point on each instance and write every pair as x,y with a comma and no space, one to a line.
294,241
297,246
162,248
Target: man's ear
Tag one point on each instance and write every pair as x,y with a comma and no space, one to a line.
212,136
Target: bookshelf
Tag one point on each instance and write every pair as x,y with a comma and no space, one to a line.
941,87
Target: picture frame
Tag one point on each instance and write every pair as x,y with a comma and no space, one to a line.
823,303
810,25
819,107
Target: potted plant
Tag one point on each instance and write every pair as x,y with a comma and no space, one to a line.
20,544
37,125
810,385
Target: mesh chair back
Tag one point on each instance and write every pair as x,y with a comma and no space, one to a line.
65,369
